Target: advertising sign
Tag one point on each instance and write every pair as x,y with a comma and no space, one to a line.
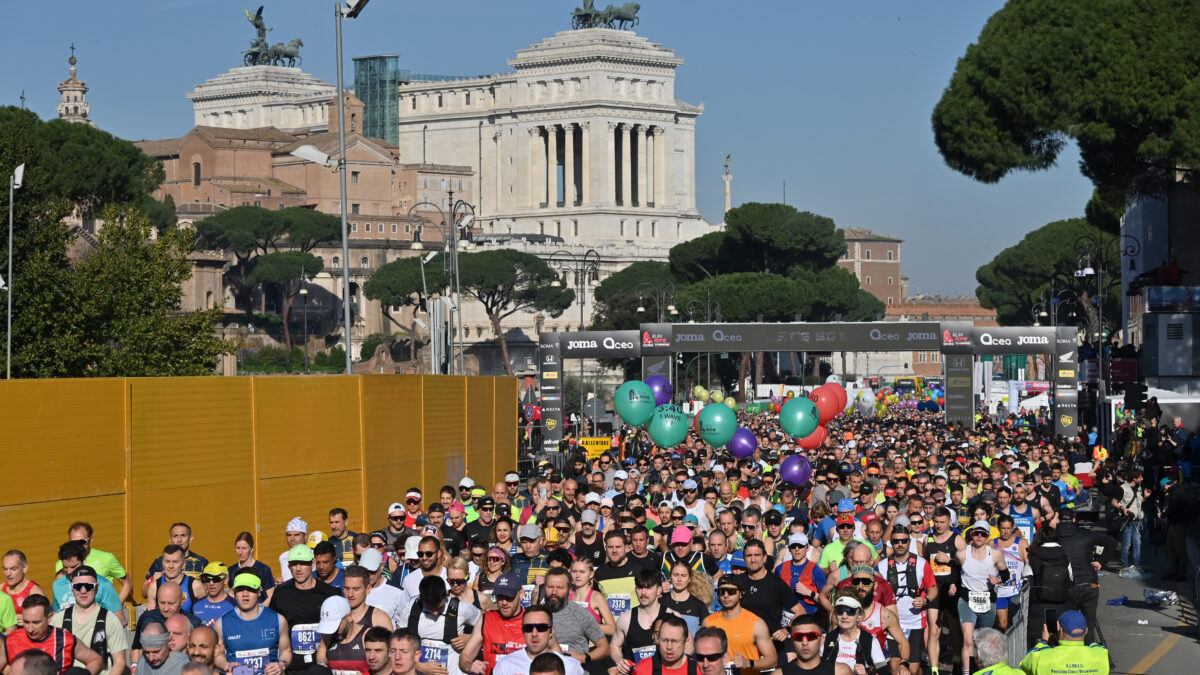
960,399
594,344
595,446
551,382
878,336
656,339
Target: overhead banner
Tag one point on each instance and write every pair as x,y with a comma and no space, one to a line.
656,338
596,344
550,381
806,337
960,337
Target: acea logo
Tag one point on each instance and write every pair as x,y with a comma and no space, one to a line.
607,343
719,335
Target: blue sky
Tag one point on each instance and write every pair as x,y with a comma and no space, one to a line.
832,97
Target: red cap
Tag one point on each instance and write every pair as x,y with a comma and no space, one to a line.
845,519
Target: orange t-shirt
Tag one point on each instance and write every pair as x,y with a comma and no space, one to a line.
740,632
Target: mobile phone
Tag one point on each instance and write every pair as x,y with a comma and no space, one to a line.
1052,625
543,492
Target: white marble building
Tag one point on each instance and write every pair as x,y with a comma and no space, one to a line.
252,97
583,147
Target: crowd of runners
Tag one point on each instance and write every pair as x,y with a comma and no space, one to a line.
913,548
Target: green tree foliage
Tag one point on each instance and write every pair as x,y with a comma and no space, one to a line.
837,295
617,297
116,311
1122,78
770,238
251,231
400,284
284,270
1019,276
506,282
129,296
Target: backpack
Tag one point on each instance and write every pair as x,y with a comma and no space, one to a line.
656,666
910,577
862,651
1055,583
99,632
449,627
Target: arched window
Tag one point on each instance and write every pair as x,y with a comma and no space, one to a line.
336,262
868,281
364,262
196,174
890,282
890,255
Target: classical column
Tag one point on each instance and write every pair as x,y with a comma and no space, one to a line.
642,143
610,169
497,139
569,192
552,164
651,166
586,160
661,191
626,133
534,167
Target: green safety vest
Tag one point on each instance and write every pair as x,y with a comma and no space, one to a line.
1071,657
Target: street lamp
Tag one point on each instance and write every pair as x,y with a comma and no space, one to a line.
711,309
452,228
664,299
586,269
304,296
1049,302
14,182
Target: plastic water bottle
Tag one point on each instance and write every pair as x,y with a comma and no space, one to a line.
1161,598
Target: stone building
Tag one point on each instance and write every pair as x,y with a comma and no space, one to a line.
874,259
253,97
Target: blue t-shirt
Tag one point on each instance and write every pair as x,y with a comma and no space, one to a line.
818,581
106,595
253,643
208,611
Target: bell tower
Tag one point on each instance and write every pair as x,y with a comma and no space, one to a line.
73,105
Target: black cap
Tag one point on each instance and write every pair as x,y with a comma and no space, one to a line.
485,502
436,508
84,570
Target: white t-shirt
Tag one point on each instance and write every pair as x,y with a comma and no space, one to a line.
431,631
412,587
518,662
910,618
848,650
388,598
284,573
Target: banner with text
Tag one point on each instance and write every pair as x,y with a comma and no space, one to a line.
806,337
550,381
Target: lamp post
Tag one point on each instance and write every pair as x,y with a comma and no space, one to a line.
586,269
712,314
304,312
14,182
1049,302
664,299
451,228
1092,258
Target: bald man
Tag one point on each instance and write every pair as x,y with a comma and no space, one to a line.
178,627
170,603
157,656
202,646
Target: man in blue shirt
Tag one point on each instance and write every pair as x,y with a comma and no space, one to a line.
72,555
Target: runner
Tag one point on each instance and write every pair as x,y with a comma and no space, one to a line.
298,600
214,602
980,564
499,632
252,635
913,581
1014,547
16,585
750,648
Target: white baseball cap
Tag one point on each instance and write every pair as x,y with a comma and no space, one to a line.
371,559
798,539
333,610
466,483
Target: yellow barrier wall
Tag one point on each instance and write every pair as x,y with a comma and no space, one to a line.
233,454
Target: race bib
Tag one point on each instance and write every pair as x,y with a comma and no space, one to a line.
618,603
642,653
980,602
305,639
255,659
939,569
527,592
433,651
785,619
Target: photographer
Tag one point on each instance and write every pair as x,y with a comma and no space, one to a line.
1129,519
1180,513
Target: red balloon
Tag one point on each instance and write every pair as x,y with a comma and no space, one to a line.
840,391
815,439
827,403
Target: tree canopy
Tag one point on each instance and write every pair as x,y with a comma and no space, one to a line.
1122,78
1021,275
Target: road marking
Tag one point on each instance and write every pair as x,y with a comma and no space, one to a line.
1142,667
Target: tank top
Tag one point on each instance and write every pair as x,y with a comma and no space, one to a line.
639,643
1023,521
975,572
501,636
1012,559
586,603
943,572
740,632
698,511
209,611
349,657
873,624
18,597
58,643
186,588
253,642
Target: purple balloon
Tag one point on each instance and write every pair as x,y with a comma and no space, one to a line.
743,444
661,388
795,470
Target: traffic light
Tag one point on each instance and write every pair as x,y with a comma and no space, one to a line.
1135,396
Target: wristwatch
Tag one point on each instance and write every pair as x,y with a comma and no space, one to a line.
587,657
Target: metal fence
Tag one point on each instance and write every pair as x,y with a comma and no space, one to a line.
1018,627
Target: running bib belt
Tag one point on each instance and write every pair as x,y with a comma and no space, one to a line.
305,639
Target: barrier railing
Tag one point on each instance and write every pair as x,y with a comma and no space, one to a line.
1018,627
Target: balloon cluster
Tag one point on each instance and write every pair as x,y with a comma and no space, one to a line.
929,400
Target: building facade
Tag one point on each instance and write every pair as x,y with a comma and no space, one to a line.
72,104
253,97
874,259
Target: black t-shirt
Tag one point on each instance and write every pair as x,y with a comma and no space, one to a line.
593,551
455,541
477,531
690,607
652,561
608,571
767,598
299,605
792,668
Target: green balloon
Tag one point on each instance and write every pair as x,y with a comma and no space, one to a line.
717,424
668,426
634,402
799,417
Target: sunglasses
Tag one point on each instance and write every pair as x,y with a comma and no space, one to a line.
749,528
377,545
555,508
495,558
489,509
605,463
512,484
210,579
426,554
845,527
710,657
978,533
564,528
858,581
84,587
845,611
899,540
412,501
536,628
728,591
457,582
396,519
806,636
796,546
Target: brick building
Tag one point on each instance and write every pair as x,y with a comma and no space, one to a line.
938,308
874,259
